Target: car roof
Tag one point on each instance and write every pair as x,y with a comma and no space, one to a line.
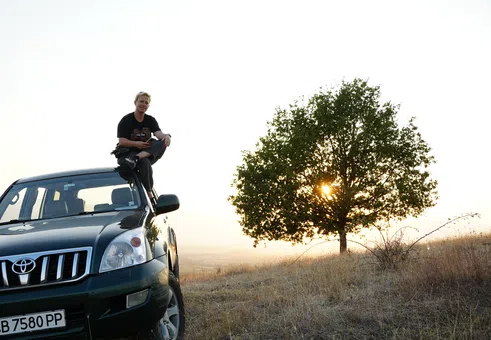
66,174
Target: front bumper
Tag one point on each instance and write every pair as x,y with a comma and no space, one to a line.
95,306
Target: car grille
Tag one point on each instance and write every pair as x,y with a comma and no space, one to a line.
44,268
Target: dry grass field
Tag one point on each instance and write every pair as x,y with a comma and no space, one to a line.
441,291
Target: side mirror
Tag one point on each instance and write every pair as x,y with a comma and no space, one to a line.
167,203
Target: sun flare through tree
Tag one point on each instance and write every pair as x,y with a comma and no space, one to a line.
331,165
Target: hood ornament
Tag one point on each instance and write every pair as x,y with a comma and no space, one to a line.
23,266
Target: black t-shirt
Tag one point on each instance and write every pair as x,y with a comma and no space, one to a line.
134,130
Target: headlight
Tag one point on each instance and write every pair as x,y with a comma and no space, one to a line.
126,250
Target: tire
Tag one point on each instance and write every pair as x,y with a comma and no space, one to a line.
171,326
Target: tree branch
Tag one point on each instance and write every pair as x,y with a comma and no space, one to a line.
443,225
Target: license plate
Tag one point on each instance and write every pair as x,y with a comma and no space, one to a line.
32,322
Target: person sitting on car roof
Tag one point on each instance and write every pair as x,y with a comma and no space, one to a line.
136,148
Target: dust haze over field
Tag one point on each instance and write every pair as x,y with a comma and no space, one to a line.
205,258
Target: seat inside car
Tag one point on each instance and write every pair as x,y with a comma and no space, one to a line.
55,209
75,206
121,197
102,207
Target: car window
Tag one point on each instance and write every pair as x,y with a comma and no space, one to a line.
68,196
118,197
13,205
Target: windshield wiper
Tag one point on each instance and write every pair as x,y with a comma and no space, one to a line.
92,212
16,221
102,211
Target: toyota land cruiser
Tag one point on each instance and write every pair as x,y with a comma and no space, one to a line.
86,254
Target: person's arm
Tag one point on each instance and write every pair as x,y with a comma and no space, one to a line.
165,137
132,144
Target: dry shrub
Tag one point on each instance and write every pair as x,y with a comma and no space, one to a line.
392,251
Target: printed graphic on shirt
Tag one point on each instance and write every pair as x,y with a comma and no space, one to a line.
140,134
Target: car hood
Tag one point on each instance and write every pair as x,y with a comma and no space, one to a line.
66,232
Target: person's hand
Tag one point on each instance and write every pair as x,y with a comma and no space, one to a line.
166,140
142,145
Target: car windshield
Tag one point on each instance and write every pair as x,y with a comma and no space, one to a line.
69,196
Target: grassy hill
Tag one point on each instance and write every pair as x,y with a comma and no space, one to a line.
441,291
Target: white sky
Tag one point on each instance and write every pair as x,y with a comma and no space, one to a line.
217,70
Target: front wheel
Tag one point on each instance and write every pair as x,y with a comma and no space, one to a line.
171,325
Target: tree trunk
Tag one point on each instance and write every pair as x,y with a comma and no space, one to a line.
343,244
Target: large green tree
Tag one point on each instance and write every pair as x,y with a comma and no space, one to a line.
342,139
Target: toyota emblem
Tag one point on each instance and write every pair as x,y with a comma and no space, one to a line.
23,266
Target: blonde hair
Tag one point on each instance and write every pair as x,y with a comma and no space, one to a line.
142,93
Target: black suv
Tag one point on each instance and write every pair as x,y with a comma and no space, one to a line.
86,255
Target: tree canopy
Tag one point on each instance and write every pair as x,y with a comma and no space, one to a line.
331,165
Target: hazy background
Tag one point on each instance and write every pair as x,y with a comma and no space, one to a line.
216,70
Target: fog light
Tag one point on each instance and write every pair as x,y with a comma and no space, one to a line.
136,299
